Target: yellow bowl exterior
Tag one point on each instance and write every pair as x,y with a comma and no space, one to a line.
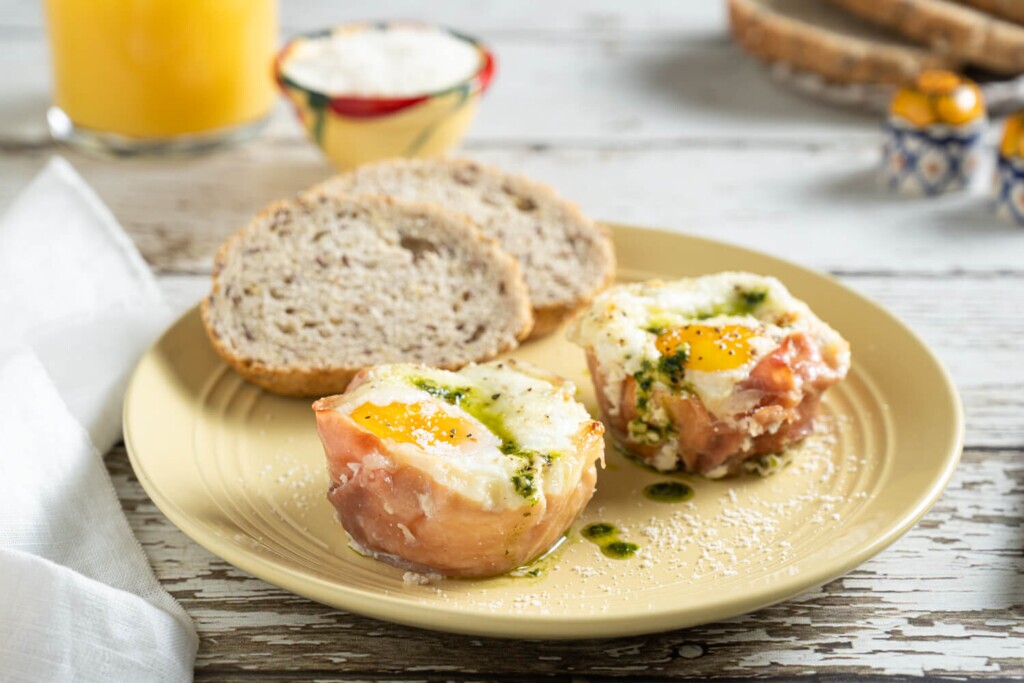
428,128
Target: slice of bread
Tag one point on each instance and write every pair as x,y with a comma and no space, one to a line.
1008,9
814,36
314,289
565,256
951,29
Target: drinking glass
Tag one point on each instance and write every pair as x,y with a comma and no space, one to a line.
160,76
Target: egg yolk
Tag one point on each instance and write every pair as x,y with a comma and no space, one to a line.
711,347
423,424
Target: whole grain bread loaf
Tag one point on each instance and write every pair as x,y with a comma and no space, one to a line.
316,288
566,257
952,29
814,36
1008,9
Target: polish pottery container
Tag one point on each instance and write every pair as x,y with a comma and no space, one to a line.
371,91
933,135
1009,181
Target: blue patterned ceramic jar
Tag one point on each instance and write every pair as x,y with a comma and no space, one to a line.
1009,185
934,133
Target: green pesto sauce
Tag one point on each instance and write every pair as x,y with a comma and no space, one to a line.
742,302
620,550
606,536
453,395
599,530
539,565
642,431
671,370
644,376
752,298
481,407
668,492
523,482
767,465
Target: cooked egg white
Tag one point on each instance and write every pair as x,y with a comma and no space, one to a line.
494,432
701,335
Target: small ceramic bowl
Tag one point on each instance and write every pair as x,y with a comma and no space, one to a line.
353,130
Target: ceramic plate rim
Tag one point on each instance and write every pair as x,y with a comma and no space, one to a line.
573,627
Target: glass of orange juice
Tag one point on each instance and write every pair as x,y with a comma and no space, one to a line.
160,76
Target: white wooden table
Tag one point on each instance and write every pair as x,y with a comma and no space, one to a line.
642,112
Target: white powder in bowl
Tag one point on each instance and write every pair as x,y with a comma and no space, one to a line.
398,62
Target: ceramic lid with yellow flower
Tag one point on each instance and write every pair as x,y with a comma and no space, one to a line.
934,134
1009,185
1012,145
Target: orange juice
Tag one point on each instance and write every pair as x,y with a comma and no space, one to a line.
160,69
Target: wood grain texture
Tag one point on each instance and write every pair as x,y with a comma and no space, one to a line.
820,207
946,599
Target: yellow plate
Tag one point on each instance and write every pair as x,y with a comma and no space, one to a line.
242,472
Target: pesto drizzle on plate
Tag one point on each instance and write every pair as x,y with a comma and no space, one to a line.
668,492
606,536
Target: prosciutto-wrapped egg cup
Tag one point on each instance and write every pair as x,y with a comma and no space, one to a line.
469,473
708,374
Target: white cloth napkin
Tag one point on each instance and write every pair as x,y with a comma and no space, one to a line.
78,600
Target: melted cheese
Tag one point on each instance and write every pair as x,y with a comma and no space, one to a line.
724,323
494,432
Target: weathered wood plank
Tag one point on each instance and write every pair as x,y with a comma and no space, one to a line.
230,676
817,207
947,599
573,17
974,325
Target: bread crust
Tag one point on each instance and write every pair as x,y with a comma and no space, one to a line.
774,37
960,32
547,319
548,314
1008,9
306,379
